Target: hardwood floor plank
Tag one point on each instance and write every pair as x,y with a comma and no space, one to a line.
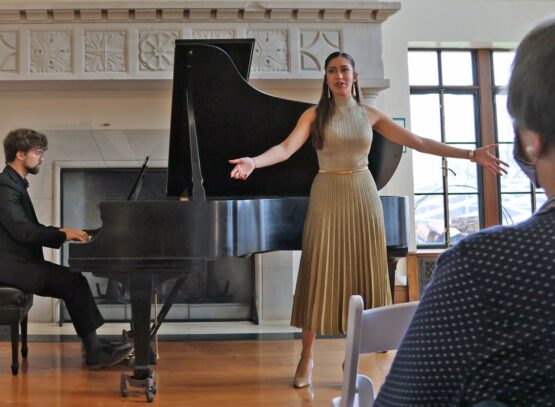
190,373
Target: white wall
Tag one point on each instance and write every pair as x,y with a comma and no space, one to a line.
85,109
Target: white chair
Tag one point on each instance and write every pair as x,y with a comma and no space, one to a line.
368,331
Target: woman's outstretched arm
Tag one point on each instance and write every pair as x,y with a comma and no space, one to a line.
387,127
281,152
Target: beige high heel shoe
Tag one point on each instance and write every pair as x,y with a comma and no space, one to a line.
305,380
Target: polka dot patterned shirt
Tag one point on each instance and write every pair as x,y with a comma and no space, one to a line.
485,327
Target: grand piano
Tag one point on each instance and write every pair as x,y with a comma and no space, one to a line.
217,115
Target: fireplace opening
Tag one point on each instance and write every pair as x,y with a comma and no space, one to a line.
224,290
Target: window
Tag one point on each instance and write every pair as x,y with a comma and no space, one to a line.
518,197
444,107
458,97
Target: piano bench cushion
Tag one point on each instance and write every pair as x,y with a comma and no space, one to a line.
14,304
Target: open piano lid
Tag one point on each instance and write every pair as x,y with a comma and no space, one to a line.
231,119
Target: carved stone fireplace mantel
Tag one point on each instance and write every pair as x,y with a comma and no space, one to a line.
134,40
83,46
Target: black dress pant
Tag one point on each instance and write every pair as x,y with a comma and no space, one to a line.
52,280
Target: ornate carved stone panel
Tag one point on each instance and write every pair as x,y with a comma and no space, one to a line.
270,50
213,34
316,45
156,50
8,51
51,51
105,51
61,40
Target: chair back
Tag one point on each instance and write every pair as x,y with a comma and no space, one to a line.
384,328
372,330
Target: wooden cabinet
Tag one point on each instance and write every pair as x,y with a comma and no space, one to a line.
420,266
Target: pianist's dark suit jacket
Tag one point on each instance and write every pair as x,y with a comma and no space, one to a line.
22,237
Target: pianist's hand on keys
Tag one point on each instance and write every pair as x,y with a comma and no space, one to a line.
75,235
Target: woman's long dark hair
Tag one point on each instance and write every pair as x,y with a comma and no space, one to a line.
326,106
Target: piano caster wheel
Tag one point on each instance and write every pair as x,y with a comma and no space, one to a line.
148,383
149,395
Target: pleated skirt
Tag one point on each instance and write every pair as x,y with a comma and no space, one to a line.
343,253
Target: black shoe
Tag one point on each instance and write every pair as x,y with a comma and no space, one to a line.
107,355
117,345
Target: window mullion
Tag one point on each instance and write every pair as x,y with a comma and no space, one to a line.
444,164
489,182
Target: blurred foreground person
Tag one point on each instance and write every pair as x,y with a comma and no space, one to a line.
485,327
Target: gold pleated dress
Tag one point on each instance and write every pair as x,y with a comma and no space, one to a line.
344,247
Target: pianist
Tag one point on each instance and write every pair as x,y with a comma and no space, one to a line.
22,238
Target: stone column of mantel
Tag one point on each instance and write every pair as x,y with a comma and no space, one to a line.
369,96
370,89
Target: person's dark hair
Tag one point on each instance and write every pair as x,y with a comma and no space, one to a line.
22,140
326,105
531,93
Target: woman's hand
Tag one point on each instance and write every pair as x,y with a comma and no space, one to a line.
490,162
243,167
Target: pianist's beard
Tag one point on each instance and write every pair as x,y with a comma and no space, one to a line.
33,170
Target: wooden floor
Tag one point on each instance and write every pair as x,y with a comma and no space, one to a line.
190,373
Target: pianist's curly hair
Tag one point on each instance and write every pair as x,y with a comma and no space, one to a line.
326,106
23,140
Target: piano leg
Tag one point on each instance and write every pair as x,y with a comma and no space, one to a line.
141,301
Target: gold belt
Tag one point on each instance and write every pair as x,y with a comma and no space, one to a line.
343,172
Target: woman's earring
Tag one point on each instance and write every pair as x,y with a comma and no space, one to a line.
355,88
530,151
329,93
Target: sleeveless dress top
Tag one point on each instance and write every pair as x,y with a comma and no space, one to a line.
344,247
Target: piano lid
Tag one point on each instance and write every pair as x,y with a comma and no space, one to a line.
213,100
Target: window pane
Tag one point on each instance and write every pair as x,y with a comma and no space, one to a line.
464,216
463,175
515,208
514,180
429,215
423,68
502,61
425,116
504,123
427,173
460,121
456,68
541,198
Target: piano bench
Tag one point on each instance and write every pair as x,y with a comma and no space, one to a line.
14,306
